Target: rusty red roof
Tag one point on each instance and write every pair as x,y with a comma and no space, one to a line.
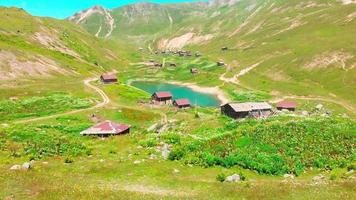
182,102
107,127
109,76
163,94
286,104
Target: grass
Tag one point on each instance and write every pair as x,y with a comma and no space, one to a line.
40,106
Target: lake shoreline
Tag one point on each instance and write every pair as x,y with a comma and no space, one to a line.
214,91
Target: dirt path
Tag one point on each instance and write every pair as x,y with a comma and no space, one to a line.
87,82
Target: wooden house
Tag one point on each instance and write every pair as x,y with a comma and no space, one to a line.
106,128
182,103
286,105
108,78
162,97
247,110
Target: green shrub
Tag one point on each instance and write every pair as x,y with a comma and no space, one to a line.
171,138
176,154
221,177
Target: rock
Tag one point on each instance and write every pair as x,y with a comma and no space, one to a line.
45,163
176,171
285,110
137,162
102,160
233,178
15,167
165,152
318,178
305,113
26,166
288,176
319,106
152,128
153,156
350,172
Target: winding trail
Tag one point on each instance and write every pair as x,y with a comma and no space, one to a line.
87,82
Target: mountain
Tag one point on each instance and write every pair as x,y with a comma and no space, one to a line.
34,47
278,46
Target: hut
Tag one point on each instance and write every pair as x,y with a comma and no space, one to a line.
107,128
162,97
194,71
225,48
182,103
108,78
247,110
220,63
286,105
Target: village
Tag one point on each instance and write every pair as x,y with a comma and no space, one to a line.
234,110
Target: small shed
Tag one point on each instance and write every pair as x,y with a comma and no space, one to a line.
286,105
247,110
108,78
194,70
182,103
165,97
220,63
107,128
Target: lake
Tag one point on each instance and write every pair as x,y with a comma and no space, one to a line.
179,92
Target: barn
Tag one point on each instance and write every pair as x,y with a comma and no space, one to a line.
161,97
247,110
108,78
182,103
106,129
286,105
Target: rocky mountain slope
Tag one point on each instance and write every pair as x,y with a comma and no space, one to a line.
276,46
33,47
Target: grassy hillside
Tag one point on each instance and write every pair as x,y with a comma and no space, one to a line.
283,47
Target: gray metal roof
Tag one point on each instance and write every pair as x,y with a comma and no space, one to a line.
250,106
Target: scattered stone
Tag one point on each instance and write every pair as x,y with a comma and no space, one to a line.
285,110
319,106
288,176
152,128
176,171
190,165
102,160
165,152
350,172
45,163
26,166
233,178
5,125
139,147
318,178
305,113
15,167
153,156
137,162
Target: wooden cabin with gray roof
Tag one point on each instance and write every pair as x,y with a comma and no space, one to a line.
256,110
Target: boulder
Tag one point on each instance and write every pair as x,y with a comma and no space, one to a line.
233,178
153,157
305,113
165,152
137,162
15,167
318,178
26,166
176,171
319,106
288,176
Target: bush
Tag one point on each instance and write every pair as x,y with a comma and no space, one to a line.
171,138
221,177
68,160
176,154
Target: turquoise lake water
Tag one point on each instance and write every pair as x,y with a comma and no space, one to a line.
179,92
